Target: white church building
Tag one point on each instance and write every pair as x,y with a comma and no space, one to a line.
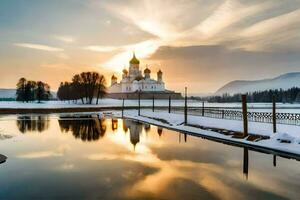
134,80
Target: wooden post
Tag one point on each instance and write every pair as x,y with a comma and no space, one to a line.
274,160
185,106
274,114
203,108
139,110
170,104
245,114
123,107
153,103
246,162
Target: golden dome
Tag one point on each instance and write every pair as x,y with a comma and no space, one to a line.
134,60
147,71
113,77
125,71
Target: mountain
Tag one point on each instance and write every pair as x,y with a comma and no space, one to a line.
284,81
11,93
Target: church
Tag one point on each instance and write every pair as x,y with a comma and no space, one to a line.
135,81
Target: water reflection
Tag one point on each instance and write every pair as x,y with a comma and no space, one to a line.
147,128
245,163
159,131
88,129
135,129
274,161
114,124
133,160
33,123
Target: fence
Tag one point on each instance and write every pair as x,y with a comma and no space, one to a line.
265,117
223,113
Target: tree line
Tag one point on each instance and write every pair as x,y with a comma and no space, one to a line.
28,90
291,95
84,87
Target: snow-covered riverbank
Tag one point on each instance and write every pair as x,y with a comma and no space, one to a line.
258,107
287,138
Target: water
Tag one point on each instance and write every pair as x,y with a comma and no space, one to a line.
52,156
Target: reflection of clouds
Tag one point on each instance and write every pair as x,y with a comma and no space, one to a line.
60,151
40,154
157,166
213,173
4,137
67,166
103,156
201,173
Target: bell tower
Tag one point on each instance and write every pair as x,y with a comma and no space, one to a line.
134,67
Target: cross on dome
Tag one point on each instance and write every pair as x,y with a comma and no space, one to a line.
134,60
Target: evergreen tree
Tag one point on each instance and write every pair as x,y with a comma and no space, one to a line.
20,92
31,91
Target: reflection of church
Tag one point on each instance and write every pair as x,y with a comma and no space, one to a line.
133,81
135,129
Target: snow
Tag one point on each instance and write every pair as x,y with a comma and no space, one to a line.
287,138
257,107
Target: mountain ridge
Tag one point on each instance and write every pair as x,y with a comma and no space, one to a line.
284,81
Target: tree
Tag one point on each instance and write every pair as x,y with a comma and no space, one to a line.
31,90
101,88
285,96
20,93
42,91
297,100
84,86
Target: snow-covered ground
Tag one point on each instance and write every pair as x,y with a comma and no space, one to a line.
277,141
258,107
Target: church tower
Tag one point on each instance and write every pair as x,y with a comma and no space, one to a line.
159,76
147,73
114,80
134,67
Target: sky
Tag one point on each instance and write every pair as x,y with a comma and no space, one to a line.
201,44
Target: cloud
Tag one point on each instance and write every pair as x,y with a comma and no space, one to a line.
65,38
117,62
38,47
278,30
211,66
225,16
151,17
142,50
224,24
56,66
102,48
